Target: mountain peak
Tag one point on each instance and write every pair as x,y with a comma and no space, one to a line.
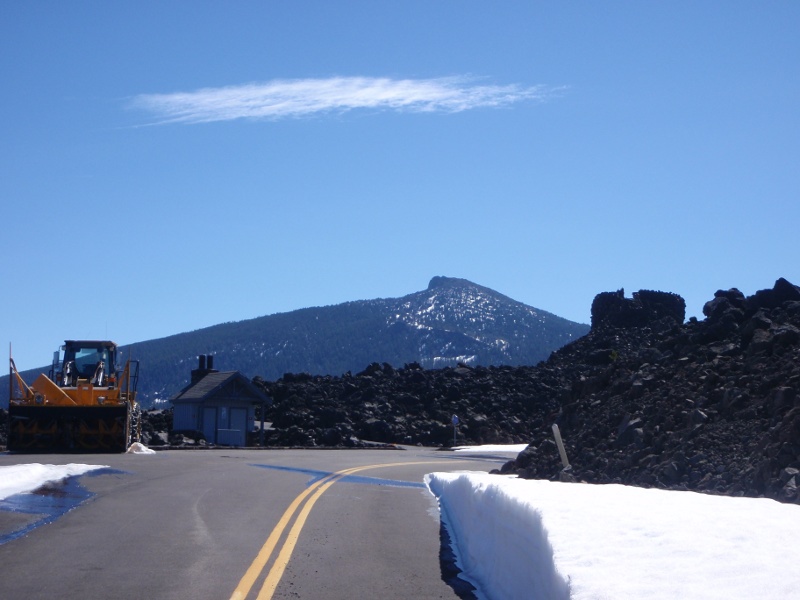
441,282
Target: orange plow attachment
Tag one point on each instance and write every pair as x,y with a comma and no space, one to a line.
68,428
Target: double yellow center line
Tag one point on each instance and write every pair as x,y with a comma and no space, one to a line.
313,492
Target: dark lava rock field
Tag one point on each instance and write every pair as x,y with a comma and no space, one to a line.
644,399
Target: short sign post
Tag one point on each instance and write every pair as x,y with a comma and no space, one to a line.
560,443
455,424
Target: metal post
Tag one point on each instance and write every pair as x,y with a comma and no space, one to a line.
10,380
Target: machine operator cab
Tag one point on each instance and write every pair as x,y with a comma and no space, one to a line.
92,361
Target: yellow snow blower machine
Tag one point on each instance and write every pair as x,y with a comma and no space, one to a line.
85,405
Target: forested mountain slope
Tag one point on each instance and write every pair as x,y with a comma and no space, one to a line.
452,321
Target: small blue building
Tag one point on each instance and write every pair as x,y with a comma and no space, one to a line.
220,404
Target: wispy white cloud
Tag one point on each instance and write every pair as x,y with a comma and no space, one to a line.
280,99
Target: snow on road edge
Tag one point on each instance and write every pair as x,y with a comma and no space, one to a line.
501,544
17,479
537,539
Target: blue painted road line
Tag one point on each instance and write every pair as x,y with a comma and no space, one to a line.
360,479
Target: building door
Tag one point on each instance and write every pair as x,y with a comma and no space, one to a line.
210,424
239,423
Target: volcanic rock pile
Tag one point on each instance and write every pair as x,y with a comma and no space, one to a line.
710,406
410,405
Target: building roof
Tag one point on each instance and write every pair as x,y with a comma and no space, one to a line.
221,385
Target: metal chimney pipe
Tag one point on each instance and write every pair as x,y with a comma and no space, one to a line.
202,366
210,362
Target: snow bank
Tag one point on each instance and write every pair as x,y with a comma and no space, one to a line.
17,479
539,539
139,448
499,539
505,449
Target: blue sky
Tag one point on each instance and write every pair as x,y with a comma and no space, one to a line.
166,166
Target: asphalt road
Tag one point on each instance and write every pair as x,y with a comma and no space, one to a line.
237,524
